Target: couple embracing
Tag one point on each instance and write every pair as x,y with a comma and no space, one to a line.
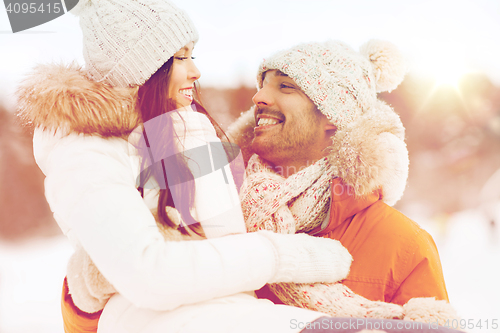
162,246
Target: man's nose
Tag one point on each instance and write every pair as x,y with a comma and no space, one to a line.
262,97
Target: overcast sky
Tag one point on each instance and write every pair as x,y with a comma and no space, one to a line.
440,37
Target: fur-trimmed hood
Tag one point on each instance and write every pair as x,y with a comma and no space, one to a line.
62,98
367,154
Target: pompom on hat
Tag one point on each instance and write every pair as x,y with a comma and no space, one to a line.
126,41
341,82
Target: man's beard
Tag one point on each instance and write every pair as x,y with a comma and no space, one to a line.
292,140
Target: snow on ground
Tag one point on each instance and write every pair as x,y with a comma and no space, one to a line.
469,248
31,275
471,262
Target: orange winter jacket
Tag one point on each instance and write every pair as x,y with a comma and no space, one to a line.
75,320
394,259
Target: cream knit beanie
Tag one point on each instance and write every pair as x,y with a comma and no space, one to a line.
126,41
340,81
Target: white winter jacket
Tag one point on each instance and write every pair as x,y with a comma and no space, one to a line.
187,286
90,186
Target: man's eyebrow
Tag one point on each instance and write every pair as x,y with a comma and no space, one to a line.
280,73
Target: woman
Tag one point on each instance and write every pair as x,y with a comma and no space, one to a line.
82,120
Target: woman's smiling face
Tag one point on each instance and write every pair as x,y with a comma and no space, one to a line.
182,76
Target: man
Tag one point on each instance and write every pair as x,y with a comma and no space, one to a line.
317,107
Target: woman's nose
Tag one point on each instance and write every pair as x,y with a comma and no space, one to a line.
194,72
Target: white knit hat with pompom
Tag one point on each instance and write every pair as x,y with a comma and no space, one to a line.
340,81
127,41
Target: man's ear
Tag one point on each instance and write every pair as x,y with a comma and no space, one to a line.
330,127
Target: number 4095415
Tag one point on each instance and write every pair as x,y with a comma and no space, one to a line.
32,8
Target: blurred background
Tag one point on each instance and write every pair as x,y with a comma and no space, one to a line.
449,104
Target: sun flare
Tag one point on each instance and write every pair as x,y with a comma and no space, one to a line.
447,66
449,73
448,76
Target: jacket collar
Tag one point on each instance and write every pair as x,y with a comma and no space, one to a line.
344,205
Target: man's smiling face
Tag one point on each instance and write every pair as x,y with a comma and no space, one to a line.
289,126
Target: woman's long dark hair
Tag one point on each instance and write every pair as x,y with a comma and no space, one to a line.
154,101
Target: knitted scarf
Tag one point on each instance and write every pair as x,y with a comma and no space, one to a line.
299,203
285,205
